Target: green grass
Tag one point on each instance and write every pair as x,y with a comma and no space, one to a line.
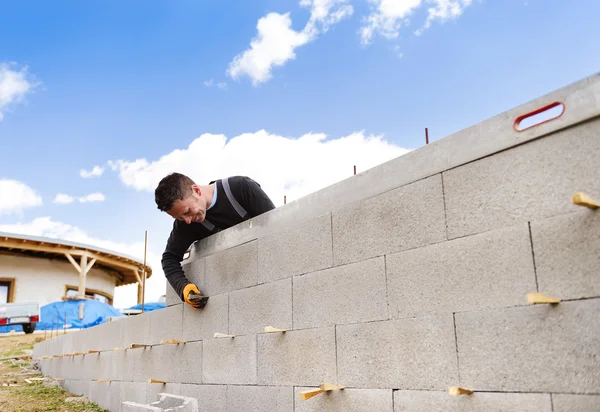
52,398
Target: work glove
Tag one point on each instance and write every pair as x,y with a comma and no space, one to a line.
194,297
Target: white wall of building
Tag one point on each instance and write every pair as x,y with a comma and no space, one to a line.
43,280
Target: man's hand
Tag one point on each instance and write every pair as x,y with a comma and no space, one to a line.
194,297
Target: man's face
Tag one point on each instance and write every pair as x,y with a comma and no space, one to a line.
191,209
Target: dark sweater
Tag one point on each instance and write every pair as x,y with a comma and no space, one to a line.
222,215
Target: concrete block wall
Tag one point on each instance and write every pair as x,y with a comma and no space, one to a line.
397,284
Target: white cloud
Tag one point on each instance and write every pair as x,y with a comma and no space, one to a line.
211,83
276,40
14,85
125,296
64,199
16,196
389,16
92,197
442,11
95,172
282,165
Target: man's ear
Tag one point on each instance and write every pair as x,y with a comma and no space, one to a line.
196,189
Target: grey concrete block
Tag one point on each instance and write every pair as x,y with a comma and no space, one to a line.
199,324
251,309
539,348
115,396
171,297
158,362
178,363
347,400
194,271
418,353
122,366
405,218
104,337
295,250
298,357
166,324
232,269
493,269
131,392
136,329
433,401
344,294
189,362
566,255
260,399
211,398
99,393
229,360
531,181
155,391
576,403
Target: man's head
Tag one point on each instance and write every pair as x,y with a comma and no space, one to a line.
181,198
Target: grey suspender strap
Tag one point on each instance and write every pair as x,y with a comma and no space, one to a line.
238,208
208,225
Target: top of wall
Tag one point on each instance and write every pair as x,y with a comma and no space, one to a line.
581,102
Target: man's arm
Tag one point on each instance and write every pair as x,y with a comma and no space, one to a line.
178,243
256,201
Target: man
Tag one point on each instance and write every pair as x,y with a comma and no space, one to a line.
200,211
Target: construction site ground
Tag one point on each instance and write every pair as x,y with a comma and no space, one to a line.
24,389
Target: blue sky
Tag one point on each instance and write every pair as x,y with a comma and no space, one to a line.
107,83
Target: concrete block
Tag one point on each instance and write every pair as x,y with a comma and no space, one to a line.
566,256
181,363
115,396
434,401
194,271
232,269
136,329
122,365
166,324
298,357
106,336
532,181
211,398
539,348
100,393
347,400
199,324
157,391
344,294
492,269
131,392
260,399
189,363
417,353
295,250
405,218
576,403
251,309
229,360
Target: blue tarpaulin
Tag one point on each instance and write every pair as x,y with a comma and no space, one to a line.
149,307
65,314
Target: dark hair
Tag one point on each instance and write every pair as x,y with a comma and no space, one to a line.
171,188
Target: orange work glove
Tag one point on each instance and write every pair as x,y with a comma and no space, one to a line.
194,297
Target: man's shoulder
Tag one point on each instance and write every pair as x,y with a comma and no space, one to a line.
240,182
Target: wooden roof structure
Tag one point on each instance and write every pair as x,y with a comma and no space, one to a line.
126,269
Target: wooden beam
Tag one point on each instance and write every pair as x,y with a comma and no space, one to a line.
68,255
82,275
89,266
581,199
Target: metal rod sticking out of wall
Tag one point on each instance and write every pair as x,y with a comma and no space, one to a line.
354,170
426,136
144,270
